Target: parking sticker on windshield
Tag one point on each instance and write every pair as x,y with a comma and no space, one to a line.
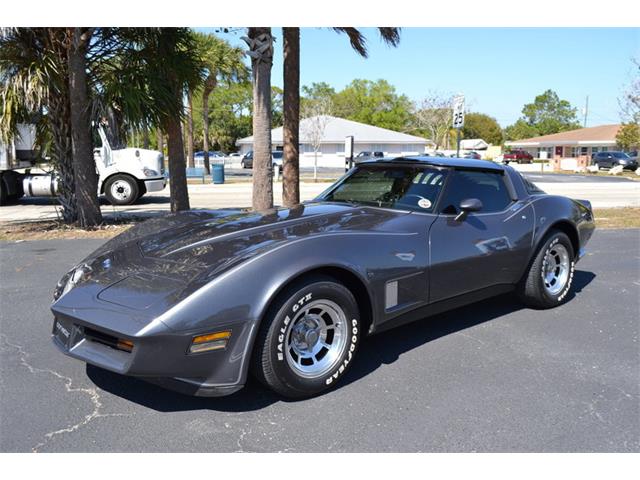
424,203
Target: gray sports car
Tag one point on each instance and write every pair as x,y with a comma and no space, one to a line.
197,300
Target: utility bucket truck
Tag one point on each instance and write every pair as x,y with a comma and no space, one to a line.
124,175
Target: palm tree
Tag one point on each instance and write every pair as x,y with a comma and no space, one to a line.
291,117
260,44
291,124
158,65
33,72
84,168
222,62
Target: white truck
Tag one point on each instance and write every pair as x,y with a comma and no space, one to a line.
124,175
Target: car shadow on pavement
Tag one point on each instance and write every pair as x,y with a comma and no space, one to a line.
374,351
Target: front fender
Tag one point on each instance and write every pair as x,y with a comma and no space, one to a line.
243,293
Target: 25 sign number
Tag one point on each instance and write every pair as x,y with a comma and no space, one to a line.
458,112
458,119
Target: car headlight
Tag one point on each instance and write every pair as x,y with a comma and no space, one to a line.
70,280
149,172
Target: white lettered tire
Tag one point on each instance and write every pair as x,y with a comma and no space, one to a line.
308,339
547,282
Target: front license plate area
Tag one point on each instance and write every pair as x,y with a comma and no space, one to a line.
63,332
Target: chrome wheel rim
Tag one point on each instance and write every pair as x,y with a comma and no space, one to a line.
555,269
121,190
316,338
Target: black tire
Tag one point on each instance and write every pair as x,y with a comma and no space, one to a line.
533,289
273,359
122,190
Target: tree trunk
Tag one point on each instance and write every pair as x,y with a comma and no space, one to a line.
191,160
262,166
209,85
177,172
291,111
59,116
84,167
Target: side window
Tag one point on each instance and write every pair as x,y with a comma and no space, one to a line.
487,187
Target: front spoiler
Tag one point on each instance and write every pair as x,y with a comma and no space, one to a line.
193,387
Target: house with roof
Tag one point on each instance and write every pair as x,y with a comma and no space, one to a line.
570,144
367,138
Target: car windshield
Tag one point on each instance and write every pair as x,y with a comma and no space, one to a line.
620,155
391,186
276,154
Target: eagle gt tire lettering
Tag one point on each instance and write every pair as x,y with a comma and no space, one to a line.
308,338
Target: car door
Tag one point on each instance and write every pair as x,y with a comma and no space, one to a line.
488,247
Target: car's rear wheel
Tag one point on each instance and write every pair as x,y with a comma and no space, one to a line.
308,338
548,280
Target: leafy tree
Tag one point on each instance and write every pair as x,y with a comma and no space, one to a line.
628,137
431,117
479,125
161,64
33,72
374,103
519,130
317,91
223,63
630,101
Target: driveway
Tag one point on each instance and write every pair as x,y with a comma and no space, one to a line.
489,377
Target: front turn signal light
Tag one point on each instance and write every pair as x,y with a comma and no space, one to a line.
210,341
125,345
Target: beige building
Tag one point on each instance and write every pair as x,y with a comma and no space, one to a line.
570,144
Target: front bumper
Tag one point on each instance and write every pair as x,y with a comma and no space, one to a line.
155,185
160,358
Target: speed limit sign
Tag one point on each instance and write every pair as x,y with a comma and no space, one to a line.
458,111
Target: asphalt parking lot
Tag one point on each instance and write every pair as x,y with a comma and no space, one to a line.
489,377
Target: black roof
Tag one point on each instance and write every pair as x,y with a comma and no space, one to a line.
469,163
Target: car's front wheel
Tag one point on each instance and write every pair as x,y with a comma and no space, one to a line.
308,339
547,282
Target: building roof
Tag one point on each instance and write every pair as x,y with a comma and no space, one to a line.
339,128
602,134
473,144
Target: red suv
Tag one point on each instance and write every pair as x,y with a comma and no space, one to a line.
519,156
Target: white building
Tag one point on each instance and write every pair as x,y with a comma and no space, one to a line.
366,138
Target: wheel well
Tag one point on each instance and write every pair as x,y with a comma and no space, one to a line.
346,278
570,231
118,174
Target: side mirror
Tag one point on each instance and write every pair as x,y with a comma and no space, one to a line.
468,205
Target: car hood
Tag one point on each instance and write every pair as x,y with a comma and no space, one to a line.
161,261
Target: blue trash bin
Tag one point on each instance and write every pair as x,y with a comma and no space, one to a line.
217,173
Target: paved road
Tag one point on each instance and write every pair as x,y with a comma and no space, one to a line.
489,377
604,192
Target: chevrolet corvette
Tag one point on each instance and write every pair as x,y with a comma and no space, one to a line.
199,300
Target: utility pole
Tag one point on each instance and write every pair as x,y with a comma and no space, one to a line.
586,112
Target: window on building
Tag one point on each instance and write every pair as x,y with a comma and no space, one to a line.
584,150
